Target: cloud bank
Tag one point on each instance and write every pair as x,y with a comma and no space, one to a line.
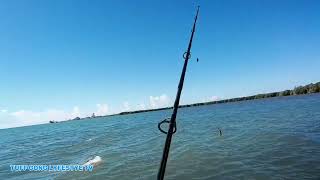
159,101
27,117
102,109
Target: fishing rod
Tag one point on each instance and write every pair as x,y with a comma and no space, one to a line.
172,122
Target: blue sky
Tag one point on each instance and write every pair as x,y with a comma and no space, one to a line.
63,58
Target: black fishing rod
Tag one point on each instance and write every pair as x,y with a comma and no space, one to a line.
172,122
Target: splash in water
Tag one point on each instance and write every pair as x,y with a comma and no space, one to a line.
95,161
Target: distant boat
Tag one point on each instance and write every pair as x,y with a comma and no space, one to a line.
53,121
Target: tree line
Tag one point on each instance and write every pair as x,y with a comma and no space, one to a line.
307,89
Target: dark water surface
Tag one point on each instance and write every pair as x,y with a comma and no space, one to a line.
277,138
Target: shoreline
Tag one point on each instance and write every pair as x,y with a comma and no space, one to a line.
300,90
311,88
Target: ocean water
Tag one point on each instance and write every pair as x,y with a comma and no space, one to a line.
277,138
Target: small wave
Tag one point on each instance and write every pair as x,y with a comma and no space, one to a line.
89,139
95,161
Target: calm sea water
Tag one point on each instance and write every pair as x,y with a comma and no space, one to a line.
276,138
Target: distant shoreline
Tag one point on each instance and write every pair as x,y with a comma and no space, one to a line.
299,90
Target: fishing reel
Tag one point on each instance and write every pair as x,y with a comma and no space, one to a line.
167,120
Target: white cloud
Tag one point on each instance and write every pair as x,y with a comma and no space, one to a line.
102,109
159,101
126,106
75,112
214,98
141,106
28,117
32,117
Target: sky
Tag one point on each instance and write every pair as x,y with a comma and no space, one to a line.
65,58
